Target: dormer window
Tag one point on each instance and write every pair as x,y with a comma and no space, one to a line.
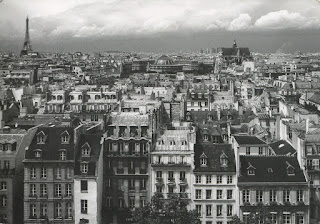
210,118
205,137
224,160
86,150
203,160
1,147
41,138
172,143
84,167
290,169
184,142
160,142
65,137
251,169
188,116
37,153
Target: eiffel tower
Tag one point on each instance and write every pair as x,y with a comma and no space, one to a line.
26,45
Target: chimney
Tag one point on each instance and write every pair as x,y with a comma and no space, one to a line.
218,113
229,131
307,125
270,113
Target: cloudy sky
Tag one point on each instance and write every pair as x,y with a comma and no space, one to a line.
161,25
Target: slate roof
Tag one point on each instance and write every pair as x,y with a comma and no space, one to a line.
213,153
282,147
315,98
94,142
278,164
52,145
248,140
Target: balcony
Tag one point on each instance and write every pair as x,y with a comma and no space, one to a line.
7,172
68,196
131,171
58,196
159,181
33,196
69,217
183,182
32,217
171,181
120,171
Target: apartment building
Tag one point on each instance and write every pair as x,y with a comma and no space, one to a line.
215,183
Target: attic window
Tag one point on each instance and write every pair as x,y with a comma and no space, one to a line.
203,161
63,155
172,143
184,142
224,160
270,170
205,137
251,171
37,153
85,152
210,117
84,168
40,138
160,142
65,137
290,171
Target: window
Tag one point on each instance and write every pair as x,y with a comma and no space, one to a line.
259,195
245,196
131,202
6,164
58,173
286,195
229,180
198,194
219,194
205,137
68,190
68,210
272,194
299,195
143,184
300,219
182,189
251,171
40,139
159,174
170,174
229,194
43,190
208,210
32,211
159,189
37,153
109,202
219,210
224,161
84,186
131,184
63,155
84,206
182,175
260,150
3,201
43,172
68,172
203,161
208,194
208,177
198,209
57,210
248,150
229,210
84,168
32,190
120,202
198,179
273,218
85,152
57,190
32,173
65,139
3,186
286,218
43,210
219,179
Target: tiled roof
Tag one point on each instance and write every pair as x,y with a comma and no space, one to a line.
213,153
93,140
248,140
52,145
282,147
278,165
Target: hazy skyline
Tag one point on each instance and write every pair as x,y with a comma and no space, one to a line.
161,25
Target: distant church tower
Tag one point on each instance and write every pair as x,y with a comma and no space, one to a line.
26,45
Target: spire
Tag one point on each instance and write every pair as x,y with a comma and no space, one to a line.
26,45
234,43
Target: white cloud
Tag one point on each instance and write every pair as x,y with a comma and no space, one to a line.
243,22
112,18
284,19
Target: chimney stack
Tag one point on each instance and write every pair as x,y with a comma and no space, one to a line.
218,113
307,125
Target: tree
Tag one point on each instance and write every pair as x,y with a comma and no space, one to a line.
160,211
259,215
